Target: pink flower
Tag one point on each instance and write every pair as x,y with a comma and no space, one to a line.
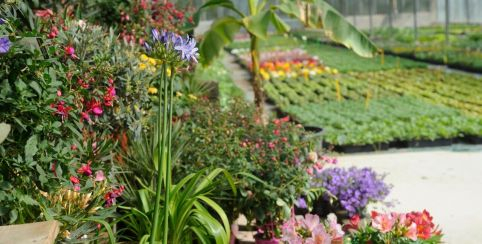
271,145
77,187
383,222
97,110
53,32
85,170
59,93
309,171
334,228
99,175
44,14
310,222
85,115
70,51
319,236
411,232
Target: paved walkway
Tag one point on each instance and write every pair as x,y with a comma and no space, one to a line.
446,182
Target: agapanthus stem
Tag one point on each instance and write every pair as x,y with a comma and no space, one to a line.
162,159
170,91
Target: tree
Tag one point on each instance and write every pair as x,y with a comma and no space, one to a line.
262,14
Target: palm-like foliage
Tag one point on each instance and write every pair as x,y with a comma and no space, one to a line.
263,14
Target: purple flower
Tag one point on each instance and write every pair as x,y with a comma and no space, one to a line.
2,21
147,47
156,36
187,49
354,188
4,44
301,203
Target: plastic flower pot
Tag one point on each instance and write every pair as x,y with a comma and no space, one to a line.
261,241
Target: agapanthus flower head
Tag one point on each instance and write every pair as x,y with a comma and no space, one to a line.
187,49
165,43
2,21
4,44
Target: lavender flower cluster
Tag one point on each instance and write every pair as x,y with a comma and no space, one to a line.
354,188
4,42
185,48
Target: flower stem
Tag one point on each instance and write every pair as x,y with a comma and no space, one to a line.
162,125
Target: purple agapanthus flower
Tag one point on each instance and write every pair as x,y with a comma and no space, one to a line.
2,21
156,36
187,48
4,44
147,47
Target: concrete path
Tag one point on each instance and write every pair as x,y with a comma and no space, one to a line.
445,181
241,78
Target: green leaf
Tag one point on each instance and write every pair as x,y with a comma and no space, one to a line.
290,8
31,148
258,24
220,34
279,24
338,29
222,3
36,87
4,131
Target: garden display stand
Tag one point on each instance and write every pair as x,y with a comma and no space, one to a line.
38,233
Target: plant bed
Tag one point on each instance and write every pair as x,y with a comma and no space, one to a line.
430,143
361,148
472,139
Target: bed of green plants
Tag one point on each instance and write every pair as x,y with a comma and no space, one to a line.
464,50
338,57
370,107
403,118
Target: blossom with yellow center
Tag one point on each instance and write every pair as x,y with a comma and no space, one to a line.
142,66
152,90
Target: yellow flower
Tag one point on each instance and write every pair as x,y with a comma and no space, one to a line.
191,96
158,61
179,94
142,66
152,69
264,74
168,72
143,58
152,61
335,71
152,90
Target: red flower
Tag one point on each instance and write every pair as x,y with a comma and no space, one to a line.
61,109
53,32
353,224
70,51
85,170
74,180
424,223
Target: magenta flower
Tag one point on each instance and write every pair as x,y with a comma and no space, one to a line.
74,180
85,170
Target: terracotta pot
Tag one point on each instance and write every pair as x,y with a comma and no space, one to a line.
261,241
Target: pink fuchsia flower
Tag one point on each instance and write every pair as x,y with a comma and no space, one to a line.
54,31
271,145
61,109
85,116
77,187
59,93
309,171
97,109
44,14
111,196
99,175
383,222
74,180
85,170
70,51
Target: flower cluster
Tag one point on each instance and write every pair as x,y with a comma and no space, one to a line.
413,226
171,47
353,188
309,230
111,196
4,41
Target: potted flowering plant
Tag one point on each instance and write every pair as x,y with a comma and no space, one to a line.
413,227
309,229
